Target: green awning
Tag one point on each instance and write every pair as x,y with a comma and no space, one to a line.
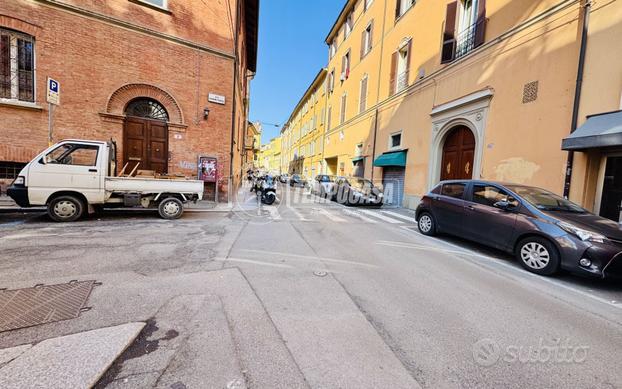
356,159
396,158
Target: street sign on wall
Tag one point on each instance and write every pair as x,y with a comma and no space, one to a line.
214,98
53,95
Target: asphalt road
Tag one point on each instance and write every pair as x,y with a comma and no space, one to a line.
350,297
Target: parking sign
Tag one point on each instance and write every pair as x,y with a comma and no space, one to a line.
53,92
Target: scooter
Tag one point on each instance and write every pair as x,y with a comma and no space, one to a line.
264,187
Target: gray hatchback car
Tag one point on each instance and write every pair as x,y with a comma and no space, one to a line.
545,232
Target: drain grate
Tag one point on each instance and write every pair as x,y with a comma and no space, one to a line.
29,307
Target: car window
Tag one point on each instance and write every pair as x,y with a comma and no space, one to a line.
545,200
436,190
72,154
453,190
488,195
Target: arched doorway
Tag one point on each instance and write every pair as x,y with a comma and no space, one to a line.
145,136
458,154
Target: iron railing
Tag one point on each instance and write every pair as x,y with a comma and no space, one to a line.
468,39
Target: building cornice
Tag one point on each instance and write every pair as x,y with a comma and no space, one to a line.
134,27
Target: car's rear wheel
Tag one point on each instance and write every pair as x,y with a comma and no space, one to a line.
171,208
426,223
66,208
538,255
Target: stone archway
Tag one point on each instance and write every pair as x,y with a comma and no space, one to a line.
119,99
470,113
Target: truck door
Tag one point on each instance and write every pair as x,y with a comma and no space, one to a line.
68,167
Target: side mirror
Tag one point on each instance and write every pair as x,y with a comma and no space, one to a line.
508,204
504,204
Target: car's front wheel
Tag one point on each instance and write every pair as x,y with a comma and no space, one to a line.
66,208
538,255
426,224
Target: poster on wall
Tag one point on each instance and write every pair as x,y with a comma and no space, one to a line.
208,170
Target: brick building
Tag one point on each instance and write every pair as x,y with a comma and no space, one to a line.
167,79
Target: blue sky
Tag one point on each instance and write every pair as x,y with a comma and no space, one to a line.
291,53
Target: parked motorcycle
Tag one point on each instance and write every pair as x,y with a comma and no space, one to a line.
264,187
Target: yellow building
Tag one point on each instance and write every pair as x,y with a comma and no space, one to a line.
438,89
270,156
303,132
252,146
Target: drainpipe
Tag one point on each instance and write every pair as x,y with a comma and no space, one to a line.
373,151
233,104
586,8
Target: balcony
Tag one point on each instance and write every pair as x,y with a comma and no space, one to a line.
460,42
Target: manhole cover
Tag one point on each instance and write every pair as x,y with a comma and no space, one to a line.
29,307
320,273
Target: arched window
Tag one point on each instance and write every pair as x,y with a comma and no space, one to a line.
17,71
146,108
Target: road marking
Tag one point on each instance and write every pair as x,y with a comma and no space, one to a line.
358,215
380,216
274,212
310,257
399,215
298,214
262,263
423,247
515,270
331,216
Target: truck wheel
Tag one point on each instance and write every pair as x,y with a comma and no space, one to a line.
170,208
65,208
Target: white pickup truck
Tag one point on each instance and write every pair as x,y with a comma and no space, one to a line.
75,176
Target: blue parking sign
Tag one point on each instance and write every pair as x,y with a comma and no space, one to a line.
53,95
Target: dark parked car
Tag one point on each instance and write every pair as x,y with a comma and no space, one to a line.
356,191
297,180
545,232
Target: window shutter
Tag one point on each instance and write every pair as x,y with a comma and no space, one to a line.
363,100
398,7
480,28
449,37
393,73
409,48
363,45
328,118
371,35
343,109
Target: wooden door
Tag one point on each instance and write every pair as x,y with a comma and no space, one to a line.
145,142
458,154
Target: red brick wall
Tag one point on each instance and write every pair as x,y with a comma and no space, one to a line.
93,58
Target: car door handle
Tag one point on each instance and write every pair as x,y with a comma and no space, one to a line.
472,208
93,170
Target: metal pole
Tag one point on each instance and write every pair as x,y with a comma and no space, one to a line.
50,123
